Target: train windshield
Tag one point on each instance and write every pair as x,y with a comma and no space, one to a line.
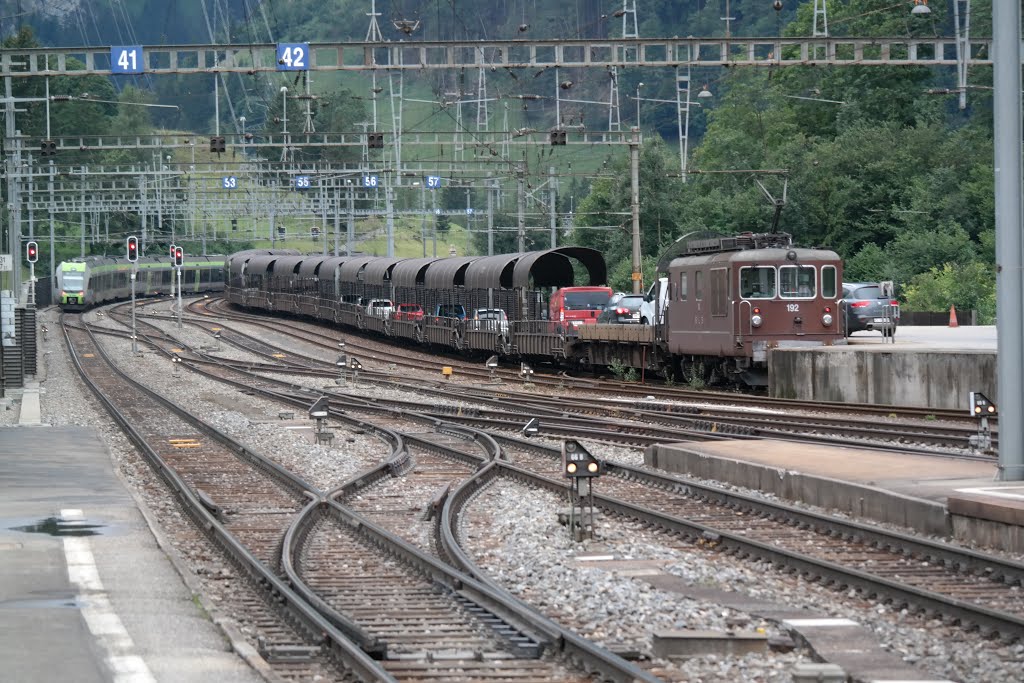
73,282
586,301
757,282
797,282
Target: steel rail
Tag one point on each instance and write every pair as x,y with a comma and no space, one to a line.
316,627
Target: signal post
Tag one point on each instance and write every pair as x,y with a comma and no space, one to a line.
32,255
133,257
579,465
179,259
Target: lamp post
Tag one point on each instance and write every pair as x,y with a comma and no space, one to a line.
638,86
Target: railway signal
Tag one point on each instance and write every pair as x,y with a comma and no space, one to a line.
32,254
578,462
179,256
982,409
133,248
578,465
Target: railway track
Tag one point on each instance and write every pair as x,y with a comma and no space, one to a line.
978,590
558,379
255,504
638,421
420,618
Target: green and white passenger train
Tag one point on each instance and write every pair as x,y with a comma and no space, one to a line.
93,280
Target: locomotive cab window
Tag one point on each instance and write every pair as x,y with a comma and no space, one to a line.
797,282
682,286
828,282
757,282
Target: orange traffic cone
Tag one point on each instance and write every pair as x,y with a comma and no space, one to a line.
952,317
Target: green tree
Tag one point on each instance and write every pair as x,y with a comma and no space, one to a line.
968,287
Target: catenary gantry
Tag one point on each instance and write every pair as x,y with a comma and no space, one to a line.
505,54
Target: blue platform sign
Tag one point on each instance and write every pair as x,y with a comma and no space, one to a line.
229,182
433,182
302,182
293,56
126,59
370,181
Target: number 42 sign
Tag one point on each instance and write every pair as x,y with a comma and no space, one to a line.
293,56
126,59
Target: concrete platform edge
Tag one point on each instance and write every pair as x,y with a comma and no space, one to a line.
856,499
239,645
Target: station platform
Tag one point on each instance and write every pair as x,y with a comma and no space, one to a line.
941,496
87,591
927,367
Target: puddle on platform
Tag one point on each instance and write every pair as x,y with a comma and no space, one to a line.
43,603
54,526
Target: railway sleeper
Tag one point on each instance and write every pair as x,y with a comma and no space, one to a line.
521,645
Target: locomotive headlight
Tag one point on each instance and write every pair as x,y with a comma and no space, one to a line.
756,320
826,319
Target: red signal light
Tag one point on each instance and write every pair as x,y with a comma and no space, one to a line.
828,309
133,248
32,252
179,256
757,310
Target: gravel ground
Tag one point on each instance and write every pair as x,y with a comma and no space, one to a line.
520,541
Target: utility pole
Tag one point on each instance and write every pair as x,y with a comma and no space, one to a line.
337,217
83,212
423,217
433,232
521,204
50,190
1006,79
350,236
634,181
389,207
552,210
490,217
323,214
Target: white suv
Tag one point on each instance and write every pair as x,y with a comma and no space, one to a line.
380,308
492,319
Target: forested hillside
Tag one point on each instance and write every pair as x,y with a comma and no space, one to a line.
882,164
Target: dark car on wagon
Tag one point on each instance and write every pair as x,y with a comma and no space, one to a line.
624,309
868,306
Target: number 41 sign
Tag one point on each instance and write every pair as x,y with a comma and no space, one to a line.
126,59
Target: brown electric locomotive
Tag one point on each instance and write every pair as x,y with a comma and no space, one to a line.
727,301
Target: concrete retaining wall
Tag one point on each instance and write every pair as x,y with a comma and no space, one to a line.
927,379
856,499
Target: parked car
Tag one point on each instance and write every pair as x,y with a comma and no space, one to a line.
412,312
865,308
380,308
450,311
490,319
624,309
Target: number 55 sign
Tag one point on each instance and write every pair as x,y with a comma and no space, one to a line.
126,59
